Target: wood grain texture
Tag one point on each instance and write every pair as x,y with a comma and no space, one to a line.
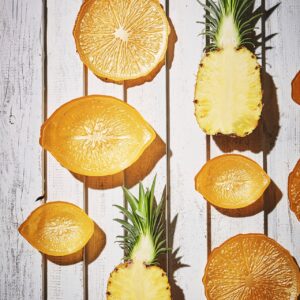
187,154
21,27
228,223
149,97
283,63
103,193
65,82
194,228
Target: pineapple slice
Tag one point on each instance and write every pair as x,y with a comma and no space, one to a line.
139,277
228,93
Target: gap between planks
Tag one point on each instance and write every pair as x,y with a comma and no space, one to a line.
168,153
85,187
168,164
85,203
44,117
261,135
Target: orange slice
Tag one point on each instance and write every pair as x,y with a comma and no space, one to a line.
251,267
231,181
57,228
121,39
296,88
294,190
96,135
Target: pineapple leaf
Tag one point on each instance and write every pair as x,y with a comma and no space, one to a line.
229,23
129,216
133,202
144,225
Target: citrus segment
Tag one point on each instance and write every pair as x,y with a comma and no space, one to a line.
96,135
121,39
294,190
231,181
251,267
57,228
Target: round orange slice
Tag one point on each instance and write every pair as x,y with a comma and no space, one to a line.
121,39
57,228
251,267
231,181
96,135
294,190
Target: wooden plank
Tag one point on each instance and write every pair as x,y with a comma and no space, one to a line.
283,63
21,65
188,230
103,193
144,98
65,82
228,223
148,96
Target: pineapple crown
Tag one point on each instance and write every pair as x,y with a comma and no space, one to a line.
144,226
228,23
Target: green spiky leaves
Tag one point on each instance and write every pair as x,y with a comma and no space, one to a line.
229,23
144,226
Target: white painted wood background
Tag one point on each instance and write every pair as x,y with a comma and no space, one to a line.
40,70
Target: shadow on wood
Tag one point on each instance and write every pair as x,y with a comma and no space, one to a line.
148,78
174,262
93,249
134,174
263,138
265,203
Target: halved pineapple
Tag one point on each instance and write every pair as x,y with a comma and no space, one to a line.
228,93
132,281
139,278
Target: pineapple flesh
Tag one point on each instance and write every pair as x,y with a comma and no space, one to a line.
228,92
133,281
139,277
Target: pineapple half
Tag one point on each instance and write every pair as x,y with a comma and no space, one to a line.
228,93
139,277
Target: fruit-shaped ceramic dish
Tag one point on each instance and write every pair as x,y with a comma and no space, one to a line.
96,135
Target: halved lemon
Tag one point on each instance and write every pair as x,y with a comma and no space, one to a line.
251,266
121,39
231,181
96,135
57,228
294,190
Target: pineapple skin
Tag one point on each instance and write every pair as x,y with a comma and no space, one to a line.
228,92
138,281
